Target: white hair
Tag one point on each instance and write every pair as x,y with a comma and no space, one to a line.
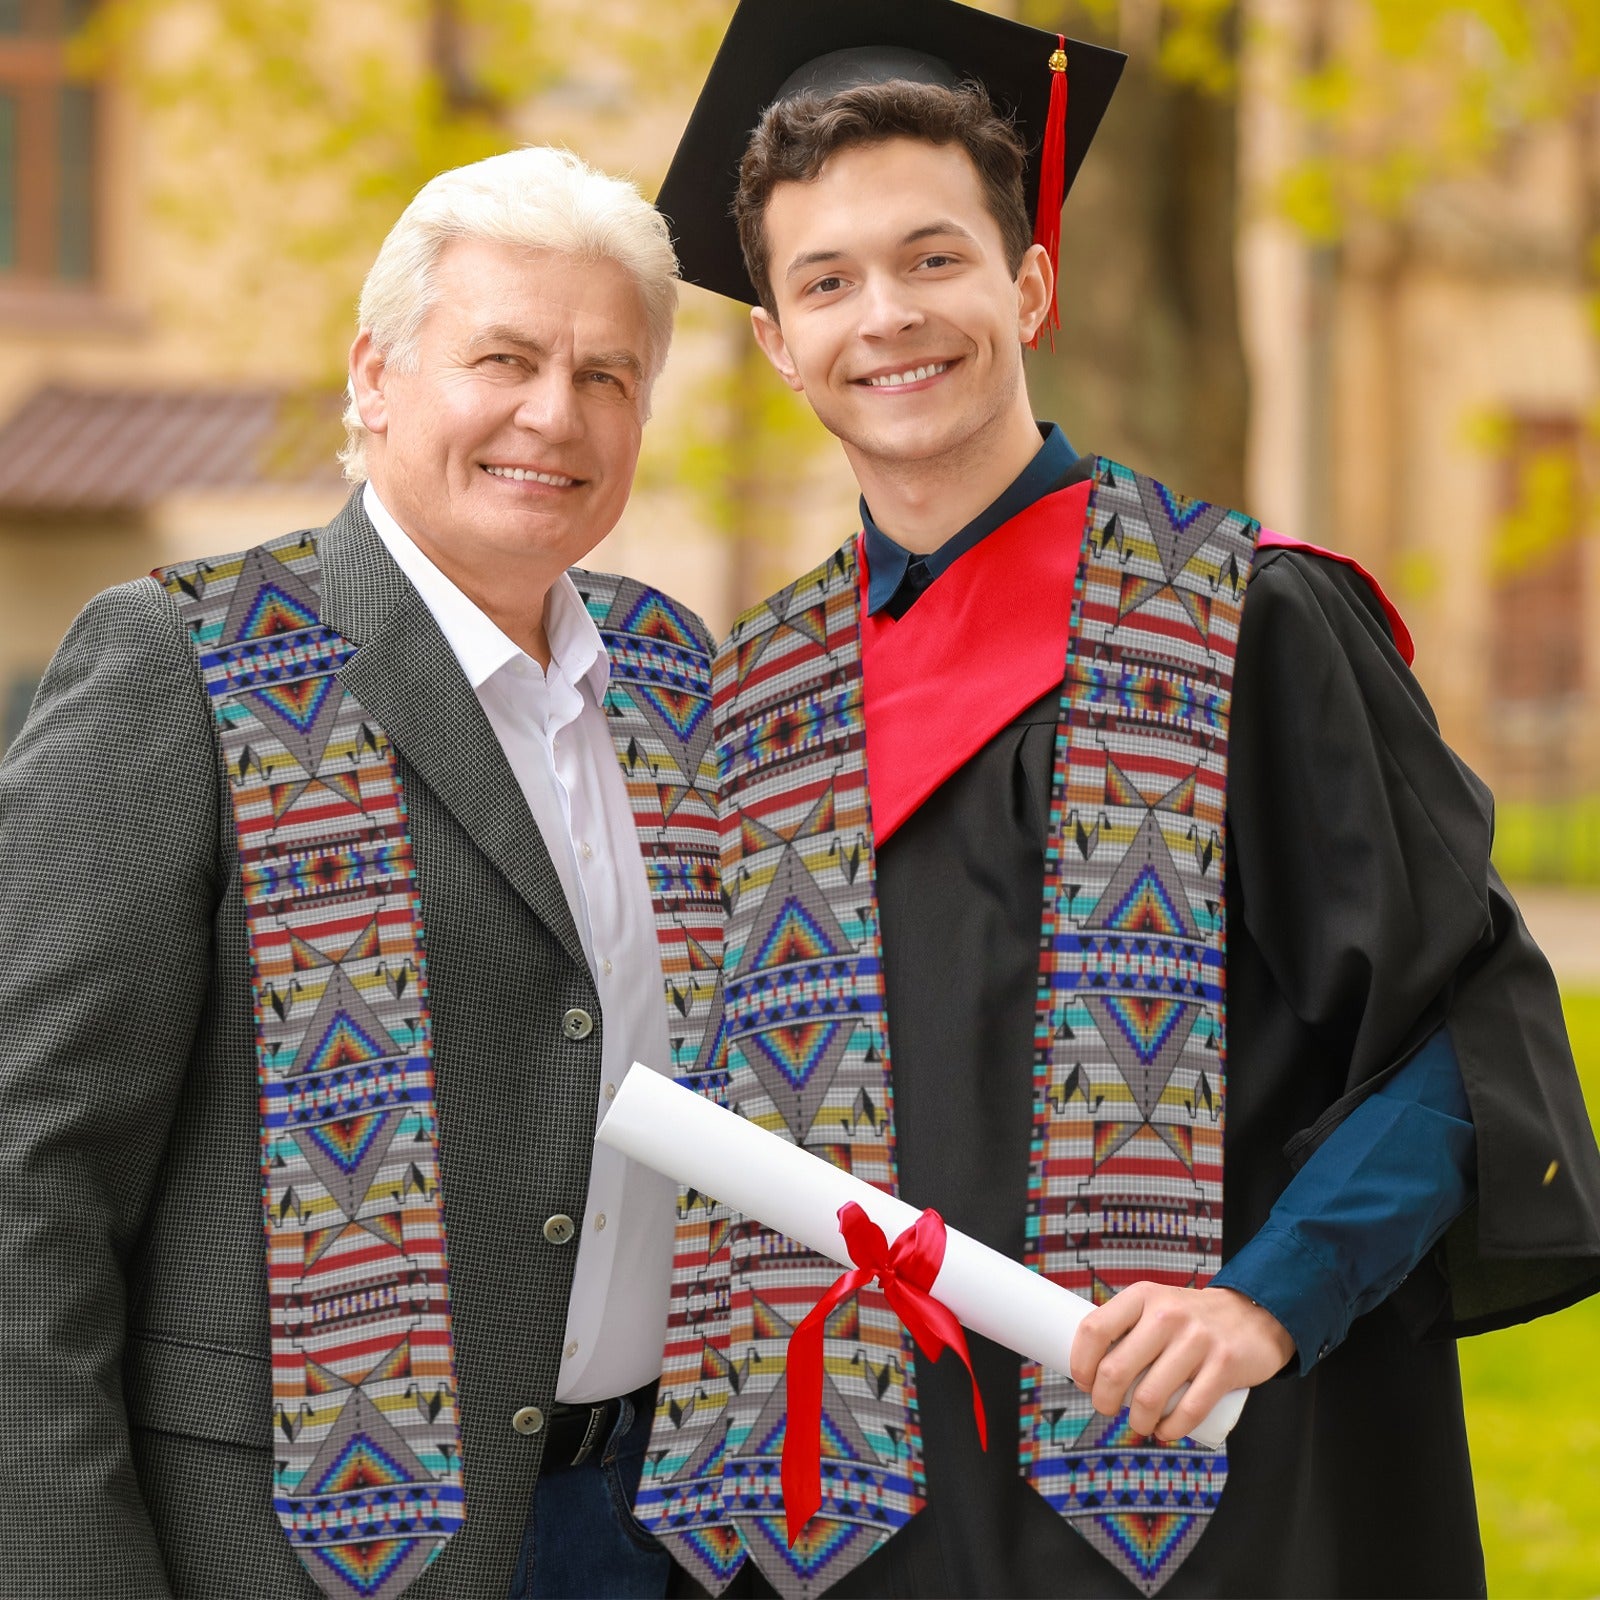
536,197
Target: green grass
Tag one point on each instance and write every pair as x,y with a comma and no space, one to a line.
1548,841
1534,1423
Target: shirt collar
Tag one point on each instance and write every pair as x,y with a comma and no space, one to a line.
575,642
477,641
888,561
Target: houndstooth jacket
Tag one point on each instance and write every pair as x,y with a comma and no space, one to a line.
137,1451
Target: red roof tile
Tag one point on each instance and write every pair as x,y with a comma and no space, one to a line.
66,450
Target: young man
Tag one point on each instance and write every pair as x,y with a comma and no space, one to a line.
342,880
1043,845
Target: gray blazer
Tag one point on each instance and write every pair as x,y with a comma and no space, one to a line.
137,1440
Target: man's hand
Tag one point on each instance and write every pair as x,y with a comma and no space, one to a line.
1212,1339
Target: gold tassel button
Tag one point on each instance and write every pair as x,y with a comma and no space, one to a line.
1058,62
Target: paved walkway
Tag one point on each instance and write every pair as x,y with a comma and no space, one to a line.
1566,922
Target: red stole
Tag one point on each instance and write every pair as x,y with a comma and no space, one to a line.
980,645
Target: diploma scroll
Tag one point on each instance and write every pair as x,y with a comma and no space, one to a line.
660,1124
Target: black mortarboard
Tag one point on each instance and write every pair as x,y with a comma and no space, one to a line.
777,48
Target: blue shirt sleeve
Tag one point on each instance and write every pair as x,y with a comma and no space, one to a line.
1367,1206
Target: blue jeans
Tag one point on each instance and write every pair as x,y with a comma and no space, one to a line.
581,1542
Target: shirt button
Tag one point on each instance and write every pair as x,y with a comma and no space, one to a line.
559,1229
588,850
530,1419
572,1349
577,1023
607,968
611,1091
600,1222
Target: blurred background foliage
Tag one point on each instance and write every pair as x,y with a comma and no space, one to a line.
322,121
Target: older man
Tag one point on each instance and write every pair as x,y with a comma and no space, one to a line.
341,878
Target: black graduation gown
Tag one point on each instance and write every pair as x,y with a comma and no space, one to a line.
1362,910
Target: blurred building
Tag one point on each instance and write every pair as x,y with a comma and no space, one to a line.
1421,394
121,445
1425,395
165,393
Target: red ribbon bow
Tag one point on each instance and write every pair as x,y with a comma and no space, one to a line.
906,1270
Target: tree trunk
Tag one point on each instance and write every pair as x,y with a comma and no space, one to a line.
1148,367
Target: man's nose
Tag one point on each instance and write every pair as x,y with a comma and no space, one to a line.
549,405
888,307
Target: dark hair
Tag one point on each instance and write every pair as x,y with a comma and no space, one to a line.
795,138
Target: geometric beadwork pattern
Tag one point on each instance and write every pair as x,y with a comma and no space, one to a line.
658,711
658,707
367,1476
368,1473
801,1051
1125,1180
1129,1023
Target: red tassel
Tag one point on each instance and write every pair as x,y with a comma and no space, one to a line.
1052,182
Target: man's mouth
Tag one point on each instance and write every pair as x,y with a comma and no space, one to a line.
556,480
898,380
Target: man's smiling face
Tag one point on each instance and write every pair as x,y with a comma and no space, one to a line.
898,316
513,437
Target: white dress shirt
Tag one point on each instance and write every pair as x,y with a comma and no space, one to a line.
553,731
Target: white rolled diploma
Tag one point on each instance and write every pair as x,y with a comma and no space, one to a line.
660,1124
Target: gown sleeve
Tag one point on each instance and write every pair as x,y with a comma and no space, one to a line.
1361,854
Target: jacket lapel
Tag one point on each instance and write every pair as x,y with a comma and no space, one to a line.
407,676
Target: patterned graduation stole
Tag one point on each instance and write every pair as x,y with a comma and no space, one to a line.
367,1478
1125,1177
802,1052
658,708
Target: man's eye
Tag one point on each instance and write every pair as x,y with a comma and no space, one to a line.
826,285
501,358
605,377
938,261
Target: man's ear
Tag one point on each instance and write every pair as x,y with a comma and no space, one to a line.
774,347
367,372
1035,284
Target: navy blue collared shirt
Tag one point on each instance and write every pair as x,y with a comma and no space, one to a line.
896,577
1379,1192
1371,1201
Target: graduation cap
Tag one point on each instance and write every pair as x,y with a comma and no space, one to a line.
775,49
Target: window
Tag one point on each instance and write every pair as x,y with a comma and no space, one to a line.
1537,566
1540,577
47,147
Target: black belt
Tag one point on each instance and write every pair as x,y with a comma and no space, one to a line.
574,1433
